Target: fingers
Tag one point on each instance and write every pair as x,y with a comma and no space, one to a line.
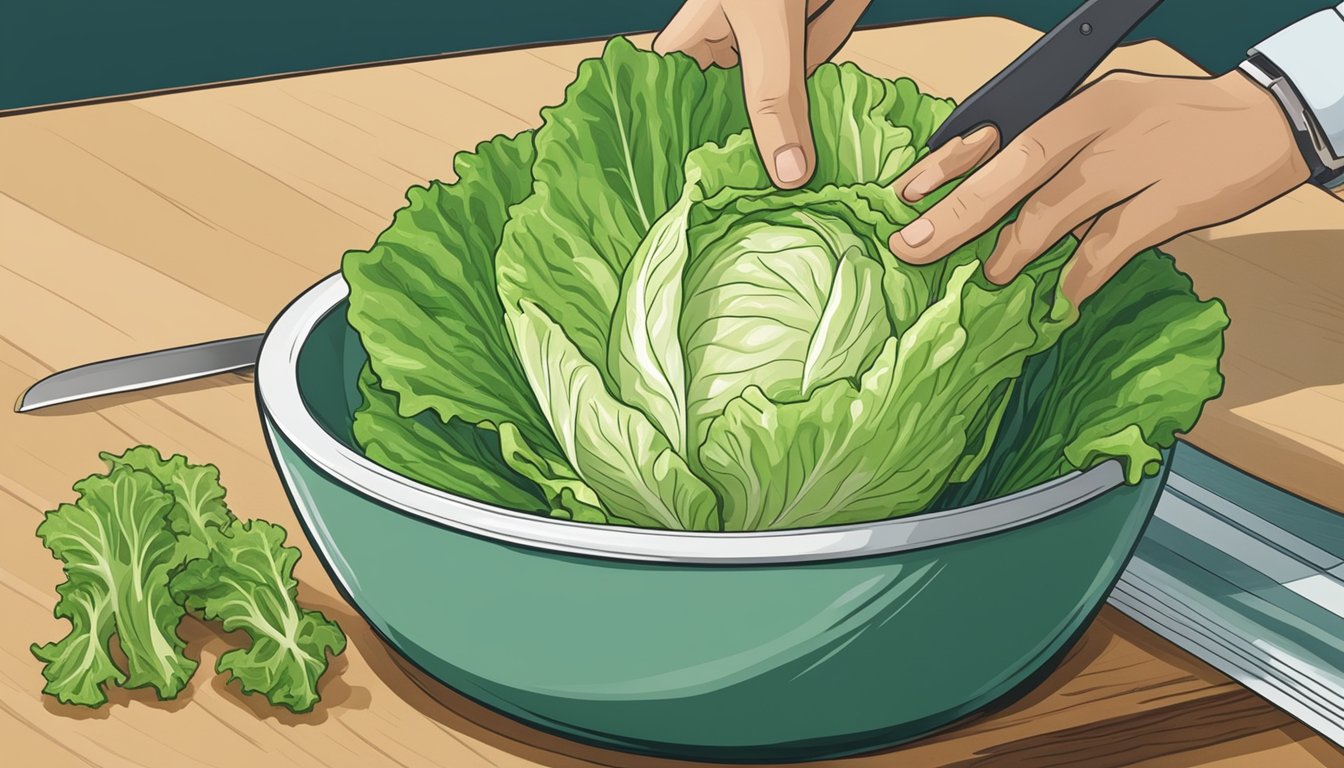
1143,221
815,7
982,199
1080,231
770,44
1062,205
950,161
829,29
700,31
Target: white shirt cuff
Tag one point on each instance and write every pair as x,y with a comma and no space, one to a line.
1307,53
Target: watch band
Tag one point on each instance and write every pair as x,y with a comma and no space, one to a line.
1326,168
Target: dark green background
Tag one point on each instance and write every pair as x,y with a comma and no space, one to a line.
61,50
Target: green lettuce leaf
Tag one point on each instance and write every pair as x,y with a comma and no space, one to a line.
857,139
248,585
889,446
570,498
118,549
609,164
199,511
613,447
1132,373
78,667
455,455
423,297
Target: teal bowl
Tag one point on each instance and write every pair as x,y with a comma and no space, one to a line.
730,647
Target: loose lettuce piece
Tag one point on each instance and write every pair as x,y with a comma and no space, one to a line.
117,548
199,511
134,545
248,585
78,666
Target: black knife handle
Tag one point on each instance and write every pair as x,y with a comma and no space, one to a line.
1043,76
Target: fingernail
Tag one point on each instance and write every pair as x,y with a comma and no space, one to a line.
921,185
917,232
790,164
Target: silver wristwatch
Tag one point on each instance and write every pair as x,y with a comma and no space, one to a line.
1297,66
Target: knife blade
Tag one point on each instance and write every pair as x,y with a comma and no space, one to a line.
1047,72
150,369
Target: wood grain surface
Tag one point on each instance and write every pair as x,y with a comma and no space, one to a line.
141,224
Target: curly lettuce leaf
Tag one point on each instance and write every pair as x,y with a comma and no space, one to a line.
1132,373
78,667
609,164
857,139
570,498
456,455
117,548
199,511
424,303
248,584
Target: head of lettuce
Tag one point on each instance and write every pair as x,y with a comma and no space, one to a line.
616,318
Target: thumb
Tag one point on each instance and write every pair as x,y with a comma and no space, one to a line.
770,43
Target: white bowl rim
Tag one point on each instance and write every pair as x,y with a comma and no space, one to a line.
285,412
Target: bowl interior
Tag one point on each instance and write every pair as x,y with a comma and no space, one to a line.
328,375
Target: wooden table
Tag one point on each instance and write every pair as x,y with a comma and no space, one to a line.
162,221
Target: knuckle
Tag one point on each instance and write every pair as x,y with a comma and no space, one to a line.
1009,241
1096,165
773,101
1033,226
1033,210
1112,248
725,57
1029,149
1121,80
959,207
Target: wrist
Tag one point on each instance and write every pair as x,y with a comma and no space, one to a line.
1279,134
1323,167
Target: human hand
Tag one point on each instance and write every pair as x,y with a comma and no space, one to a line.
779,42
1126,164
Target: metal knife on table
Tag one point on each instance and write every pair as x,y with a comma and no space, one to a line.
151,369
1033,84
